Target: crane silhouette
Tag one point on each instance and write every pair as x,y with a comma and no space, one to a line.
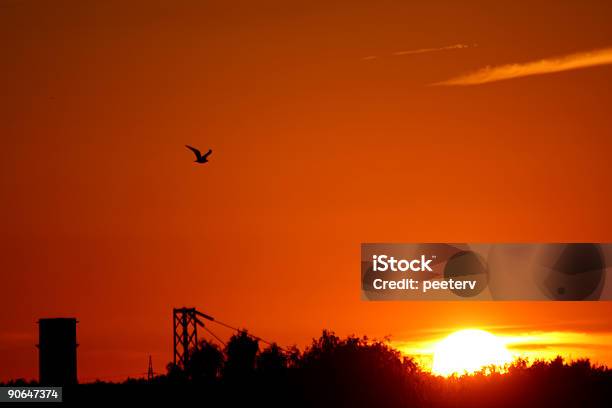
200,158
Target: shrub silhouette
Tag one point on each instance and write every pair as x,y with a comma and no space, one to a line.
205,363
356,372
272,362
241,353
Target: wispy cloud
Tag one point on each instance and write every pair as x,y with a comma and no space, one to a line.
421,51
425,50
540,67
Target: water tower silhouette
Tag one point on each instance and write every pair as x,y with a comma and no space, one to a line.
57,356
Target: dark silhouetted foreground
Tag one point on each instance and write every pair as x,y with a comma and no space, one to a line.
351,372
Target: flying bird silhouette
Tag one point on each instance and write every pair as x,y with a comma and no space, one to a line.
199,157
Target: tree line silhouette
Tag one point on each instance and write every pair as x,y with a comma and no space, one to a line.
351,372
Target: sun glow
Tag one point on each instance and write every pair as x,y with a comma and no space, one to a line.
468,351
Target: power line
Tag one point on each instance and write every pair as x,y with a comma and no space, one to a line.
214,335
239,330
185,337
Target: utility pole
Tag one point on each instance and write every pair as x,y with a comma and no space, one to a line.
185,328
150,370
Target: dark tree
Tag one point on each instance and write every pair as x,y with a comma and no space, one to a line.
205,363
272,362
241,351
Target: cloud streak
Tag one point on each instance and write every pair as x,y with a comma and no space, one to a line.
421,51
541,67
426,50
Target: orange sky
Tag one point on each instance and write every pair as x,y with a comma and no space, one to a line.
316,149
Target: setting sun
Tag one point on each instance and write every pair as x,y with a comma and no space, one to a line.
467,351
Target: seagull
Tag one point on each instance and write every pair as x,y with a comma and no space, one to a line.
199,157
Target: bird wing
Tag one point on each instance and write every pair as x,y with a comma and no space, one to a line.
195,151
208,153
